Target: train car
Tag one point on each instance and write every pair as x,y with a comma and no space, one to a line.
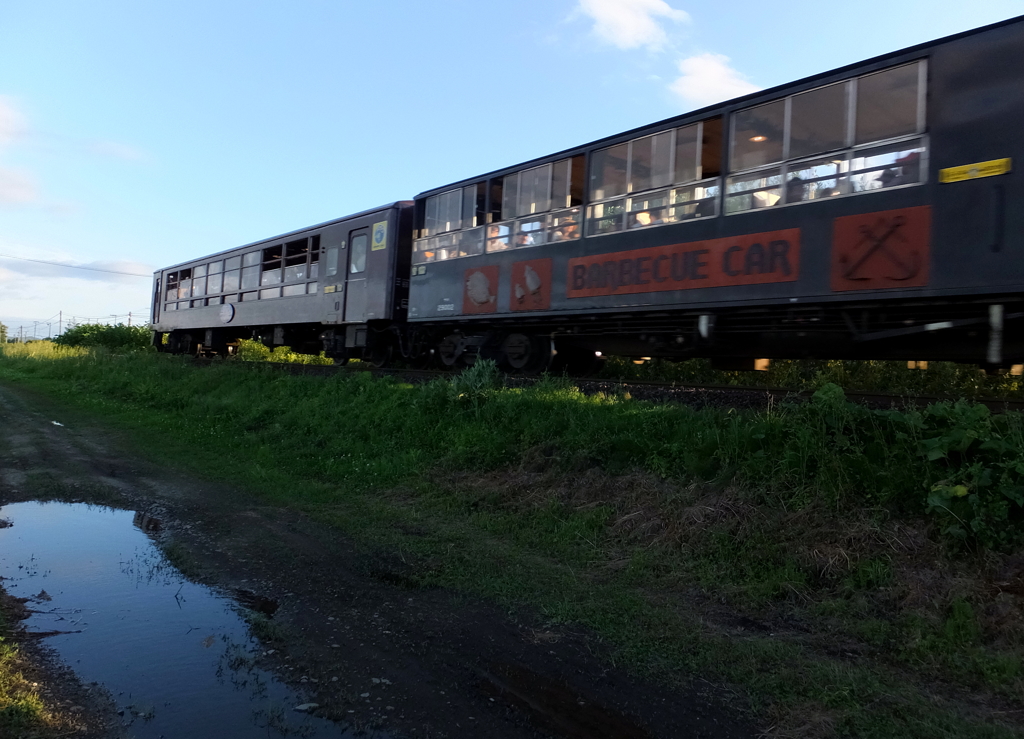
872,211
332,286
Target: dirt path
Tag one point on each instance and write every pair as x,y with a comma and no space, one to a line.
451,667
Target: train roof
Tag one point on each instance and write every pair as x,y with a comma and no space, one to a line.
737,102
387,206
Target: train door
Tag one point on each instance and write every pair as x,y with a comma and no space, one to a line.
356,292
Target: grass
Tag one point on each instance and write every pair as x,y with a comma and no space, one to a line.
819,558
22,712
939,378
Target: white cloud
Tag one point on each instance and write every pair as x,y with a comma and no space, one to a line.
12,122
116,150
708,78
629,24
17,187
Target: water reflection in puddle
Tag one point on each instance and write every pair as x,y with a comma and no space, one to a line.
176,656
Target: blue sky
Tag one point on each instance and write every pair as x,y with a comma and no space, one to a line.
134,135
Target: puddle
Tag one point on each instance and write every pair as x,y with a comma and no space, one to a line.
176,656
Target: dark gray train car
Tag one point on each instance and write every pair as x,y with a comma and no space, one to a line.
329,287
869,212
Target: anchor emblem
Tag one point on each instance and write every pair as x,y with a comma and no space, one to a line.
878,238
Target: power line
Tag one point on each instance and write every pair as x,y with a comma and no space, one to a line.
75,266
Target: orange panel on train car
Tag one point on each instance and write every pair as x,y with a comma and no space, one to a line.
881,250
531,285
752,259
480,290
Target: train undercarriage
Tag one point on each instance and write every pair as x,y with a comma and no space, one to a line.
983,332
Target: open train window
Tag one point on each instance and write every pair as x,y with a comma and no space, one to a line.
296,257
656,179
849,137
314,257
171,292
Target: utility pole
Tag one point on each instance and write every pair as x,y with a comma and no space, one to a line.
60,323
129,318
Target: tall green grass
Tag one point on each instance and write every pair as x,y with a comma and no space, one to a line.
788,510
940,378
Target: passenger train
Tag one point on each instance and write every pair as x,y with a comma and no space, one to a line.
872,211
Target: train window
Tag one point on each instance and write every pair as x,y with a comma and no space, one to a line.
199,285
232,263
534,190
495,195
695,201
818,121
271,276
248,296
299,289
608,172
565,226
296,255
757,135
296,272
214,283
499,237
273,292
754,190
231,280
798,131
651,209
251,258
314,257
250,277
531,231
214,301
199,271
887,166
888,103
711,148
170,306
813,180
687,153
185,289
650,162
471,242
605,218
567,183
232,298
474,205
197,303
443,213
216,267
423,251
509,194
332,261
357,259
312,287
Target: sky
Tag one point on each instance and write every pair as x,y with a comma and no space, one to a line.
136,135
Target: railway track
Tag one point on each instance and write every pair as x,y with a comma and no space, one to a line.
692,394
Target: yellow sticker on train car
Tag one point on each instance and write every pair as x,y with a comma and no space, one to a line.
974,171
379,238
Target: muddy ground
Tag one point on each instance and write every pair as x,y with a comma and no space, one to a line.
435,663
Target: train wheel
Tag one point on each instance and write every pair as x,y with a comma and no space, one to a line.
449,351
379,356
527,354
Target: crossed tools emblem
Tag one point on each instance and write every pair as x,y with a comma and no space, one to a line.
878,238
